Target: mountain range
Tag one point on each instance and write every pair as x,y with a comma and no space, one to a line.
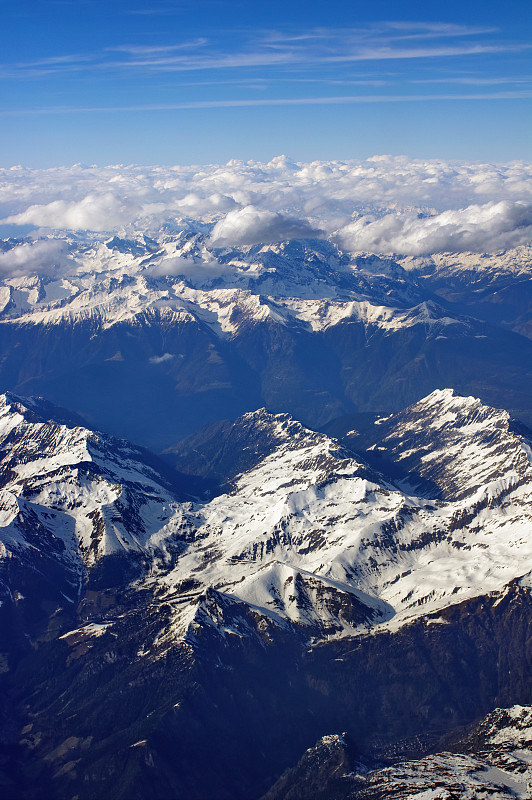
265,523
150,339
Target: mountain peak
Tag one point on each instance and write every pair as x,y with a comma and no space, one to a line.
455,444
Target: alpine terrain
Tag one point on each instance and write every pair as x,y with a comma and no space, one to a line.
151,337
265,517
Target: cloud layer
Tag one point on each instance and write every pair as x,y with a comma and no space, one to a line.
371,205
493,226
33,257
94,212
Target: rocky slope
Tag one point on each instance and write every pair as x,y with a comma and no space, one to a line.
494,761
152,642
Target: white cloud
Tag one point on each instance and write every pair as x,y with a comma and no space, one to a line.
252,202
95,212
493,226
161,359
194,205
199,269
32,257
250,225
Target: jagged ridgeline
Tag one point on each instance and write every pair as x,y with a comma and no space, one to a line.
189,627
150,338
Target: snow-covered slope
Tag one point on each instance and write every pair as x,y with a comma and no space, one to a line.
455,444
75,493
309,537
310,512
515,261
117,281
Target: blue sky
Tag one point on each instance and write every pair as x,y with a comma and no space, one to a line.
176,81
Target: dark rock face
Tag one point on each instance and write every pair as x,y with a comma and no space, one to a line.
335,768
323,772
224,718
489,759
222,450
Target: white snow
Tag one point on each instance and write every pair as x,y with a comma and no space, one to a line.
302,536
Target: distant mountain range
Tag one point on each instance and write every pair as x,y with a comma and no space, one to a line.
151,339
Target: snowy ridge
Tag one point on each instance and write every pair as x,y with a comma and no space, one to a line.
308,507
515,261
326,314
308,537
507,727
429,438
310,283
91,491
491,286
445,775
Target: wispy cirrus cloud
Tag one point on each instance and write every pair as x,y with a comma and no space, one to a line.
314,48
155,11
383,31
158,50
271,102
472,80
324,47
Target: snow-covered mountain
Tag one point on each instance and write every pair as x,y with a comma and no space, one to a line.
494,287
71,497
308,535
309,506
198,333
325,569
262,585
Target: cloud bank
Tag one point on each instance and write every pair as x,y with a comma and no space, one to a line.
94,212
372,204
32,257
493,226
